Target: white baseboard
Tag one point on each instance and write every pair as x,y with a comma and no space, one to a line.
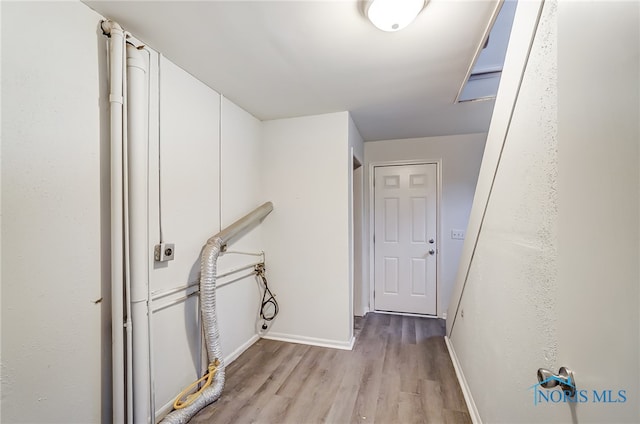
313,341
240,350
471,405
364,314
407,314
165,409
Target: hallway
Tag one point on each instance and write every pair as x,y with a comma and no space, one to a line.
398,372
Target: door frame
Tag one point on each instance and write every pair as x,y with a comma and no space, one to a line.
371,227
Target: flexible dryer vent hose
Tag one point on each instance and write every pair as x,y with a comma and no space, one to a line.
208,273
208,266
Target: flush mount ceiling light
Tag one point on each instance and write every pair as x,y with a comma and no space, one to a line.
393,15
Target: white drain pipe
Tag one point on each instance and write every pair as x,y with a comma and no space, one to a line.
138,246
116,103
131,396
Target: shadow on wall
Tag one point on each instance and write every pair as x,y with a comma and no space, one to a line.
192,319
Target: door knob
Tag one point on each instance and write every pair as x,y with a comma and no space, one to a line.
564,379
431,241
432,252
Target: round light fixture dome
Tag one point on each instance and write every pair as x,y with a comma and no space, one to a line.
393,15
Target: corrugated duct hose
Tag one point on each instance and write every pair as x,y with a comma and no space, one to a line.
212,390
187,405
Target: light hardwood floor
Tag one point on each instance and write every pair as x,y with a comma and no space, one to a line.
398,372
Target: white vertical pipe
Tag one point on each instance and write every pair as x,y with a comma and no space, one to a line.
138,231
127,269
116,100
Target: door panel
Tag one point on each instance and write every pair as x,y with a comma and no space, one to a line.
405,223
391,218
390,275
418,219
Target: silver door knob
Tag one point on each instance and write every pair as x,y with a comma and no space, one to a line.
431,241
565,379
432,252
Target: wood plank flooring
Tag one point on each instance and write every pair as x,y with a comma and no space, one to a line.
398,372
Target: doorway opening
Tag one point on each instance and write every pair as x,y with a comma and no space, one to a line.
360,298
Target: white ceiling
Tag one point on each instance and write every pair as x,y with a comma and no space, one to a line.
281,59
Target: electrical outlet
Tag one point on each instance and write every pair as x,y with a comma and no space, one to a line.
164,252
457,234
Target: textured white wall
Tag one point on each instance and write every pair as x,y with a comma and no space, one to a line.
54,268
189,170
520,39
508,330
306,175
598,201
189,150
461,156
554,278
241,192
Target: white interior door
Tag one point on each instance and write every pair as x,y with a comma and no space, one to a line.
405,238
